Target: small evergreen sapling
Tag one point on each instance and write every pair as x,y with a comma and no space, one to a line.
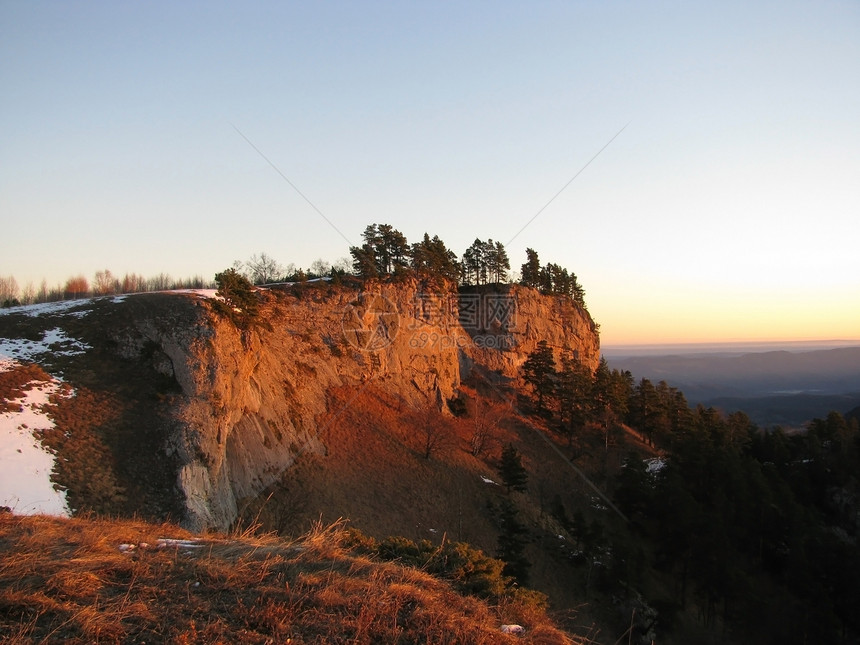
514,475
240,298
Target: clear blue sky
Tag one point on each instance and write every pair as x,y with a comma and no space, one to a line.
729,207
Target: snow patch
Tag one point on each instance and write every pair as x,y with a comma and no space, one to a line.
290,284
165,543
23,349
58,307
597,505
655,465
25,465
193,543
487,480
203,293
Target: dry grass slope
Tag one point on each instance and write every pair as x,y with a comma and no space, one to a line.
69,581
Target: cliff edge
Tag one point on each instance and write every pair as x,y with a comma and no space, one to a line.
228,409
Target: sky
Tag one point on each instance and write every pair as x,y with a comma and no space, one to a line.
709,153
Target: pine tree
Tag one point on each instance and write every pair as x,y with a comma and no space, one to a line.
576,291
385,251
574,394
475,263
430,257
511,544
539,370
393,249
531,270
498,263
240,298
514,475
364,261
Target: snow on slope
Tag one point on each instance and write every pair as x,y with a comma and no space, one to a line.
53,340
25,466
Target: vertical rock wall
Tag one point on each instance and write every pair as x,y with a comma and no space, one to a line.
252,399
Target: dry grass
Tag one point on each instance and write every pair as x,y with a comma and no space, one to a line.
374,472
16,381
69,581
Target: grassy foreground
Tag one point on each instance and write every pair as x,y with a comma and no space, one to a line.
90,580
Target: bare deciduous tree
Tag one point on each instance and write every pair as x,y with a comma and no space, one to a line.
484,429
77,287
161,282
8,288
104,283
43,291
263,268
28,295
320,268
435,435
343,265
133,283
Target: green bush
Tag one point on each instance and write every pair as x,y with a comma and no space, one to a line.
469,569
240,300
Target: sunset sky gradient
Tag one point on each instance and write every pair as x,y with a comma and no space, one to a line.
727,209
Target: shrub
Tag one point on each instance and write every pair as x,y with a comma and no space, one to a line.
240,301
470,570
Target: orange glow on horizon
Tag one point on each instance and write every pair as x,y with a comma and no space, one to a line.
751,318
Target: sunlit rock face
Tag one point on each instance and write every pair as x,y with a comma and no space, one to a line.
248,402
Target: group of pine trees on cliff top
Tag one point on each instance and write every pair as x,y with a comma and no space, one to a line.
384,251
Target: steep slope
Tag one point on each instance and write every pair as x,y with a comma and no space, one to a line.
376,474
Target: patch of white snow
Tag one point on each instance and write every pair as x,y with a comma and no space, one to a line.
655,465
42,308
163,543
203,293
24,349
25,465
595,504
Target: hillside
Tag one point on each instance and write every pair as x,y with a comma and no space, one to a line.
636,515
90,580
174,413
189,416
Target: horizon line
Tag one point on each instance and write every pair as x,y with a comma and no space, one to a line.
692,343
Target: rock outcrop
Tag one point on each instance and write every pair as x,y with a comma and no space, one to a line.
251,400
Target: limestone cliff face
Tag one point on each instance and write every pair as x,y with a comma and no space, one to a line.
254,400
520,317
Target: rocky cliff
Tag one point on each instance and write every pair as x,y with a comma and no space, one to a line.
252,399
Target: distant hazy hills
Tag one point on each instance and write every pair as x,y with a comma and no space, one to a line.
774,387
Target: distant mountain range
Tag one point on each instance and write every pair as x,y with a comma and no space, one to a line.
786,387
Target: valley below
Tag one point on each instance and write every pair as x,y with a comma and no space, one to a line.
776,384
